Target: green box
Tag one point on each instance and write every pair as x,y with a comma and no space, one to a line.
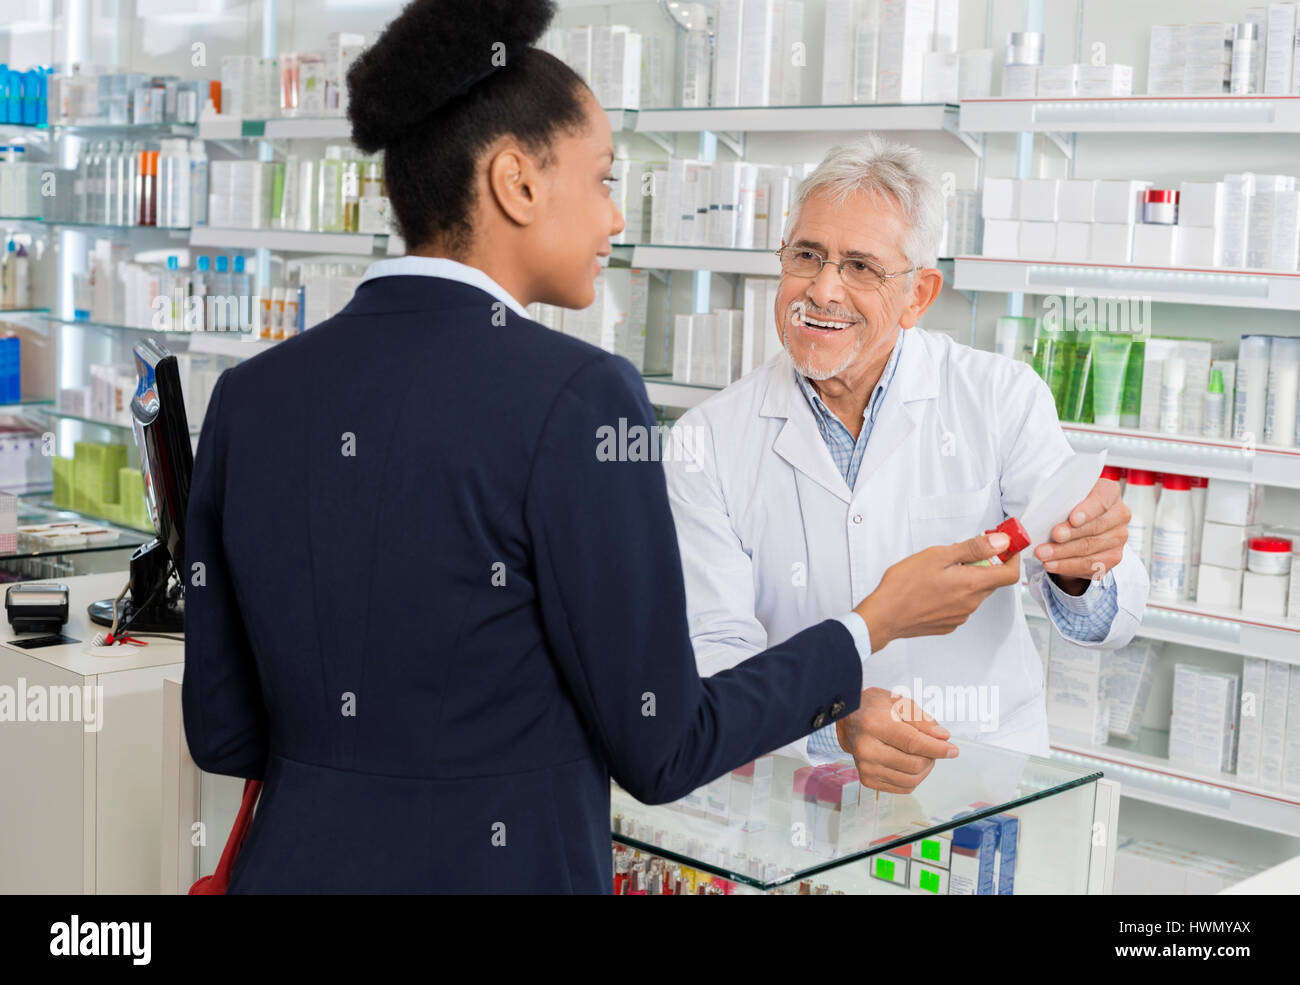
930,849
930,880
95,470
63,482
885,869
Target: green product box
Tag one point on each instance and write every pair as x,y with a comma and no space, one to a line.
134,509
63,482
96,468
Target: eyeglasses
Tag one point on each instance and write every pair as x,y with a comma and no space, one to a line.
857,274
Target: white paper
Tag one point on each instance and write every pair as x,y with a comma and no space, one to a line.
1060,493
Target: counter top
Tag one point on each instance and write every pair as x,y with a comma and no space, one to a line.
83,659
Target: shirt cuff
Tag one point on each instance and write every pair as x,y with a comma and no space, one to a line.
1084,604
857,626
824,746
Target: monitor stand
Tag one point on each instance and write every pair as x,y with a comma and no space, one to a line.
150,565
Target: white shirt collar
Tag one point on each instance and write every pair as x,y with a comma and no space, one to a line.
446,268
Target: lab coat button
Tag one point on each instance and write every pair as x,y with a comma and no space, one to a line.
819,720
837,709
857,517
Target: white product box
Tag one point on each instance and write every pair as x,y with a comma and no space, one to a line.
683,332
780,189
704,368
659,226
728,38
941,77
577,47
1293,596
947,16
1199,246
1119,201
1254,675
1273,733
906,27
751,794
1000,199
1224,545
791,74
1073,240
1074,201
1279,48
1155,245
1132,670
1228,501
1037,240
745,207
1291,751
1200,203
757,323
1105,80
1237,192
1111,242
1197,355
837,53
1001,238
728,345
1077,682
1264,595
1202,729
1019,81
1167,56
1057,81
724,202
976,74
1216,586
1038,199
865,63
760,31
1273,237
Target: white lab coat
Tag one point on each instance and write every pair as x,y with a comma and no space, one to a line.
773,541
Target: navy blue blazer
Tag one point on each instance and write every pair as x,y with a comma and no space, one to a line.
436,622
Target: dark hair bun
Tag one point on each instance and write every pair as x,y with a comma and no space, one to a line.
428,55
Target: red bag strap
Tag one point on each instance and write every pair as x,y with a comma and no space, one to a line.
217,883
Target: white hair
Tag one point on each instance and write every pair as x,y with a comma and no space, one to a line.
882,168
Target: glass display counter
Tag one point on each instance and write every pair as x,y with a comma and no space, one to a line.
990,822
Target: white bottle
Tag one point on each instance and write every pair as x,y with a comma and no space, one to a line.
1171,545
22,278
1283,387
1200,487
174,185
198,183
1140,498
1171,394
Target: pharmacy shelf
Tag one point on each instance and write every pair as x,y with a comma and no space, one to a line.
107,425
1134,114
1267,465
172,232
36,507
289,241
1275,289
22,311
662,391
284,128
793,119
107,327
755,263
1222,630
1145,773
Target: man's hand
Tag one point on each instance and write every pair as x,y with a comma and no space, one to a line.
892,741
1091,543
935,590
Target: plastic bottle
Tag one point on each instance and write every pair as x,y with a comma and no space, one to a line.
292,310
176,284
1200,486
1171,546
1140,498
1212,426
7,277
1283,387
199,290
174,185
1250,399
22,297
219,309
198,183
107,186
242,288
1171,394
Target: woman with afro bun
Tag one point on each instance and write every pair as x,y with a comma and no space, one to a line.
442,598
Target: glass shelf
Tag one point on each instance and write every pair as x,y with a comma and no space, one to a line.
109,425
983,781
35,508
107,327
72,223
22,311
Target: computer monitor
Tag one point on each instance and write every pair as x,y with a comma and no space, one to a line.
162,437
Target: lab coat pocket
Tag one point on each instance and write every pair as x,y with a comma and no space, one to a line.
955,516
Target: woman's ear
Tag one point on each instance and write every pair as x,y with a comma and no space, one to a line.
513,185
925,288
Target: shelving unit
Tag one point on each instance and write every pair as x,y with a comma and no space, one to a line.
1134,114
1177,285
292,241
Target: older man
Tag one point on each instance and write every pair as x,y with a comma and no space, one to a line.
868,439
